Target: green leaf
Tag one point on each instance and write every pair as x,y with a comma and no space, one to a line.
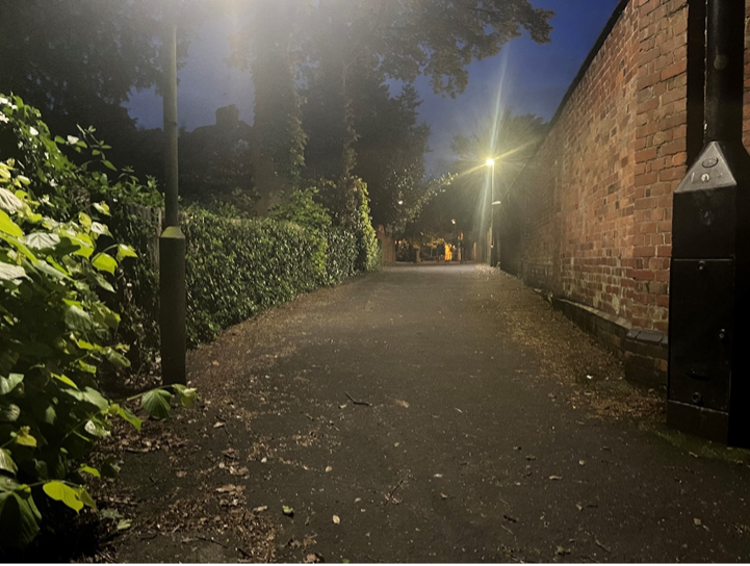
24,438
9,202
109,165
100,229
8,226
104,262
59,491
42,241
84,219
103,283
46,269
19,520
110,514
117,359
89,470
129,417
96,428
6,462
124,524
89,395
8,384
10,272
124,251
78,319
156,403
187,394
102,207
20,246
86,498
66,380
9,412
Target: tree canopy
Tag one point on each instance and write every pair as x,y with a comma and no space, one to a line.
78,61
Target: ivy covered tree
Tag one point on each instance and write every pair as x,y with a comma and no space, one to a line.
266,47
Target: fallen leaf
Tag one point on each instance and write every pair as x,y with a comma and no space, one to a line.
124,524
313,558
294,544
555,478
531,457
404,404
215,363
229,488
459,410
342,406
329,469
288,511
181,474
397,444
260,509
336,519
697,522
357,499
219,424
579,506
443,496
562,551
263,460
438,476
582,462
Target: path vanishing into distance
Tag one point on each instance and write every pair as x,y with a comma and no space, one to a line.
424,413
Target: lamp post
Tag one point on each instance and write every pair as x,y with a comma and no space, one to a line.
172,241
493,248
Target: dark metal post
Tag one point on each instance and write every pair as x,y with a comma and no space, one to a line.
495,258
709,373
172,241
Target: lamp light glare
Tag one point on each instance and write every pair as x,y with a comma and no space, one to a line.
490,162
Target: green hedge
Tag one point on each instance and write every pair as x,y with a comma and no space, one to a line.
341,257
237,267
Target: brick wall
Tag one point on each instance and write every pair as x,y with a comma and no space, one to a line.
591,212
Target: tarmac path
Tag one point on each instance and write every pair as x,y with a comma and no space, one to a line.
431,413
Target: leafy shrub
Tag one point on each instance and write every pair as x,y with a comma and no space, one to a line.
237,267
63,189
301,208
55,331
369,255
342,255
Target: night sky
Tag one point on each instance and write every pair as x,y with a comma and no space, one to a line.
527,77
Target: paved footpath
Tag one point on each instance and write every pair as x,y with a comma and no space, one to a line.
435,413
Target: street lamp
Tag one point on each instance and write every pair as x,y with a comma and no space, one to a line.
493,247
172,240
